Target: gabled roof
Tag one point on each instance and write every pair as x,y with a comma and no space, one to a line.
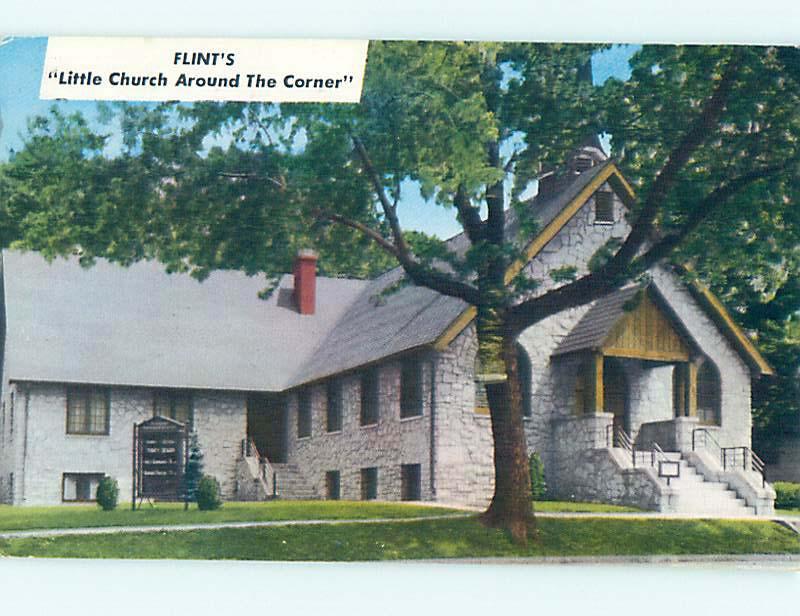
141,326
632,311
592,330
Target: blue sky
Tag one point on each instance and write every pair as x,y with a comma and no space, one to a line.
21,61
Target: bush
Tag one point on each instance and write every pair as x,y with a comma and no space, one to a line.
538,485
107,493
787,495
207,494
193,472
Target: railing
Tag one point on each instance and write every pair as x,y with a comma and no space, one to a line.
266,472
653,457
617,437
730,457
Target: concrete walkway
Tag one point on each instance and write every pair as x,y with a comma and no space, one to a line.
790,522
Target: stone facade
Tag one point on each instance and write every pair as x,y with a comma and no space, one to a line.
447,441
386,445
38,451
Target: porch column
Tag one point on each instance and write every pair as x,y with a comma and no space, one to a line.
596,384
691,389
685,389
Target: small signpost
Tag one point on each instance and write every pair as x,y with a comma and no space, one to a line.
160,452
669,469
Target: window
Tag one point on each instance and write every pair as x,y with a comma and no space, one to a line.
304,413
369,483
87,410
411,389
603,207
334,401
332,485
524,371
410,482
709,394
370,397
80,486
175,405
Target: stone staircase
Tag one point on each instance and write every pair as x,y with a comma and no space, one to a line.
291,483
694,495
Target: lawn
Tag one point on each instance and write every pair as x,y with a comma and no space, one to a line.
78,516
573,507
425,538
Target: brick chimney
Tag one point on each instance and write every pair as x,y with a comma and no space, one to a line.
305,281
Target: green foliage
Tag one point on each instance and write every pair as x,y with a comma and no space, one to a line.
567,273
208,497
538,485
107,493
193,472
787,495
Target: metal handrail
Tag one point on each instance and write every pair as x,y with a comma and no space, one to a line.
749,458
268,475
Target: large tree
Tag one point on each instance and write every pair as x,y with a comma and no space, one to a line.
707,134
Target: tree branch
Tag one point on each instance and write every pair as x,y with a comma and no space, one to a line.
468,215
665,179
279,182
598,283
617,270
700,212
420,274
369,232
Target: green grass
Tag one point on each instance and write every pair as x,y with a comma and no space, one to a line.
429,538
79,516
573,507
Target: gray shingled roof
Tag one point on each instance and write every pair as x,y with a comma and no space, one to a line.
412,316
378,326
595,326
141,326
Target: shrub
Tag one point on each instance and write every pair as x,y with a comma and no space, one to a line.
107,493
538,485
787,495
193,472
207,494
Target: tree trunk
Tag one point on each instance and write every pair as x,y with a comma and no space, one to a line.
511,506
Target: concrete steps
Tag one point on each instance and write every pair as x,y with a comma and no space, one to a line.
291,483
695,495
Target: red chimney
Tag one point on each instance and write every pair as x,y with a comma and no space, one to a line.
305,281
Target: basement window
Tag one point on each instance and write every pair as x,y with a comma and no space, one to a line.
332,485
603,207
80,487
410,482
369,483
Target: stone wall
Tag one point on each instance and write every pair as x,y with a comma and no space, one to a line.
44,451
463,443
735,375
387,445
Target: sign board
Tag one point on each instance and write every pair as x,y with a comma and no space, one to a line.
159,459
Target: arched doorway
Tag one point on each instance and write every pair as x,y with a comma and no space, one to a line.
709,394
615,393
